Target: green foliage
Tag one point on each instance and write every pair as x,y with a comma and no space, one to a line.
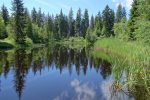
91,36
98,24
5,14
19,21
143,31
121,13
71,23
130,59
121,30
3,33
78,23
108,21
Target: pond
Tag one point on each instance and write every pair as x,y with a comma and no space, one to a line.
56,73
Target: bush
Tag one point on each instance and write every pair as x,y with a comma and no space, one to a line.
143,31
121,30
91,36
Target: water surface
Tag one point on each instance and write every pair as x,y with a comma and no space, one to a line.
56,73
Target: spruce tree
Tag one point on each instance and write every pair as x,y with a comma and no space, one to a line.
71,23
78,23
86,18
119,13
5,15
92,23
34,16
3,33
108,21
19,21
134,14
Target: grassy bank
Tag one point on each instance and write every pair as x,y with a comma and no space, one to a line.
9,43
73,42
130,61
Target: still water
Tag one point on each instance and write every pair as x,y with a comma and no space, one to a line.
56,73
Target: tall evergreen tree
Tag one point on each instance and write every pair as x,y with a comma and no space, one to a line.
34,16
108,21
119,13
92,23
39,18
123,13
71,23
19,18
78,23
28,23
49,27
134,14
3,33
5,14
86,18
56,27
98,24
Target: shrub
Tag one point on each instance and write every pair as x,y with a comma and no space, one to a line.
91,36
121,30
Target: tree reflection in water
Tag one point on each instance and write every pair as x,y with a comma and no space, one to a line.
22,61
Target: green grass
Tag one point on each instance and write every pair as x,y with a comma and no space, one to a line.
131,58
73,42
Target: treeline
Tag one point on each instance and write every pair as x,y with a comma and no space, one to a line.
25,27
39,28
137,27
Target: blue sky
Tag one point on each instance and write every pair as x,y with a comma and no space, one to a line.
54,6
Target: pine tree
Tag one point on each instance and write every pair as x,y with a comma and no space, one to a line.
108,21
49,27
119,13
39,18
92,23
86,18
3,33
134,14
28,23
19,21
71,23
5,14
78,23
123,13
98,24
34,16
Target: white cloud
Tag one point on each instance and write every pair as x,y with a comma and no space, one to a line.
83,91
125,3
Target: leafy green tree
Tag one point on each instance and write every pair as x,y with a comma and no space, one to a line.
78,23
19,21
121,29
108,21
5,14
